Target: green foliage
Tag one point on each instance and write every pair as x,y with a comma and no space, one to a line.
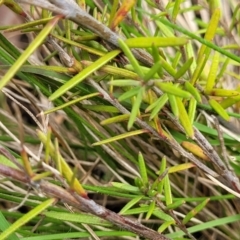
119,114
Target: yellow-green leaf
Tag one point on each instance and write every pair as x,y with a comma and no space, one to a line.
84,73
116,119
128,94
184,119
176,9
222,92
192,108
165,225
130,204
219,109
173,105
150,210
31,48
185,67
119,137
211,30
156,58
131,57
147,42
176,204
154,69
181,167
69,103
213,72
101,108
124,83
158,105
195,149
142,169
167,190
27,217
190,88
135,107
66,170
195,211
176,91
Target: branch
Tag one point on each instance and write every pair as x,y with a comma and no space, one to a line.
70,10
82,204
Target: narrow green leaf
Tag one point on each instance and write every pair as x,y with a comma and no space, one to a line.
198,70
132,92
176,59
135,108
113,12
207,225
213,72
101,108
228,102
190,88
78,218
84,73
31,48
144,69
222,92
185,67
191,55
130,57
4,224
180,167
160,101
69,103
28,24
158,105
173,105
174,90
219,109
176,9
117,119
176,204
66,170
167,190
147,42
192,108
184,119
162,215
195,211
156,58
142,170
211,30
150,210
205,42
165,225
154,69
142,209
125,187
130,204
223,68
168,67
26,218
124,83
119,137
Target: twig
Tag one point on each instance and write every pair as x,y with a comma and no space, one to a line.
144,125
86,205
70,10
230,176
213,156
